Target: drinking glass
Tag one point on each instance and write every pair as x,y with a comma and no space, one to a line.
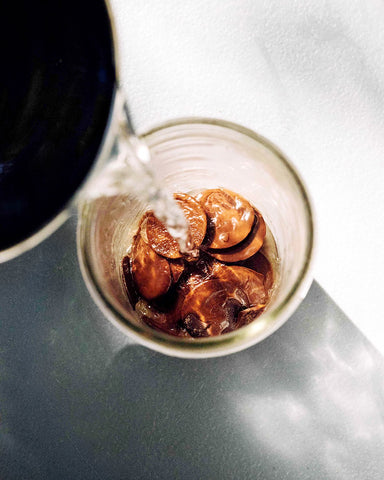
191,155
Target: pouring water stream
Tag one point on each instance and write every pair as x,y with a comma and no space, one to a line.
131,170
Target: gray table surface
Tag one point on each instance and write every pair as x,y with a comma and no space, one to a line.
80,401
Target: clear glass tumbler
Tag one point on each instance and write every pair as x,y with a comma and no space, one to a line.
190,155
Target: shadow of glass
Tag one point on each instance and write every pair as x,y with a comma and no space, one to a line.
78,400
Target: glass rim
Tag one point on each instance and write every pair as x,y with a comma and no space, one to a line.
238,339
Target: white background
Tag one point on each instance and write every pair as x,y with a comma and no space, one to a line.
308,75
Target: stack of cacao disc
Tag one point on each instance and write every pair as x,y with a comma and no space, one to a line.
221,289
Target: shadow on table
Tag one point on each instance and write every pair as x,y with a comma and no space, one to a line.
79,401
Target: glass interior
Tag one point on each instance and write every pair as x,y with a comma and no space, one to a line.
190,156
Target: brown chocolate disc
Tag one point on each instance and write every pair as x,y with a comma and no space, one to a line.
159,238
177,268
197,273
128,280
247,316
164,321
245,249
211,307
223,287
249,281
230,217
162,242
261,264
195,215
151,272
